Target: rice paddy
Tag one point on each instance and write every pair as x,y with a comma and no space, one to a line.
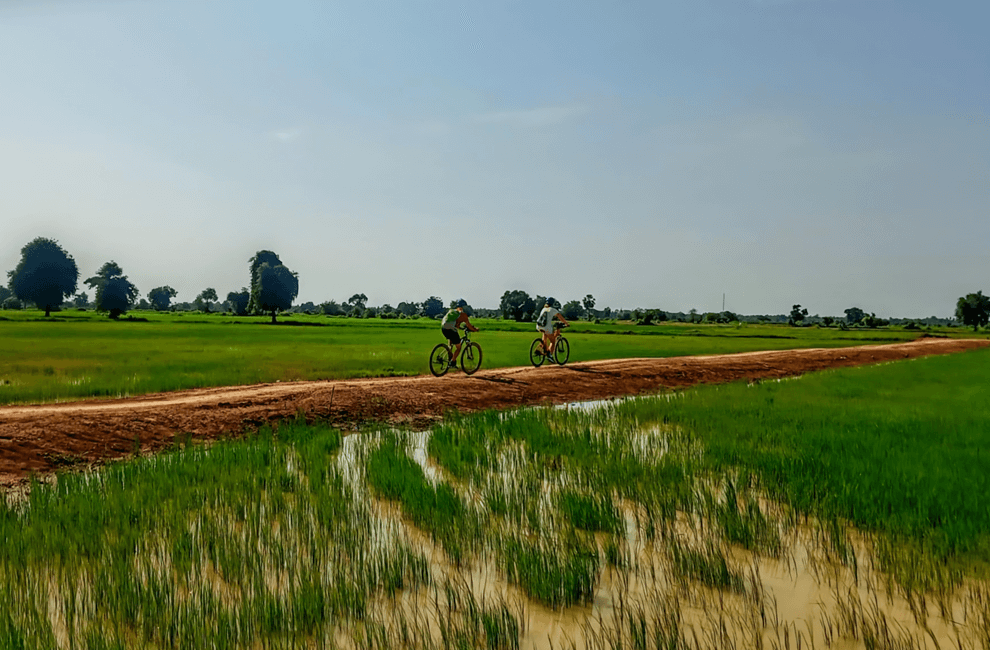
718,517
77,355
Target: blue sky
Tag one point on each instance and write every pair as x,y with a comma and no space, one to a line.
830,153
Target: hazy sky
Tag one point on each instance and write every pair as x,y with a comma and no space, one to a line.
832,153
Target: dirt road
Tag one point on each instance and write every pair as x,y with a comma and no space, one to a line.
47,437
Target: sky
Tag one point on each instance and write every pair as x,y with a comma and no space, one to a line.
657,154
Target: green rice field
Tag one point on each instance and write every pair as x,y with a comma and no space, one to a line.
75,355
841,509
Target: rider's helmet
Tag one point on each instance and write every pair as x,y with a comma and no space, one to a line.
551,301
462,303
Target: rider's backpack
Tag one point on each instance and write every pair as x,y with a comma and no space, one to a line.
541,320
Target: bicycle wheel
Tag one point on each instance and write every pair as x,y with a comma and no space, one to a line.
440,360
536,354
562,351
471,358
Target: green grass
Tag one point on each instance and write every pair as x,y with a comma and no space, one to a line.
900,448
75,355
278,539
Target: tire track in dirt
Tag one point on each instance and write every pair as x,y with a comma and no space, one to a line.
47,437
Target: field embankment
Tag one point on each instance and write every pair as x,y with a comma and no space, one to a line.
48,437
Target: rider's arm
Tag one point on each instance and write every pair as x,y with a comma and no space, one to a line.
463,318
561,318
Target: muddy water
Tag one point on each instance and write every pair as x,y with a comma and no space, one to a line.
804,597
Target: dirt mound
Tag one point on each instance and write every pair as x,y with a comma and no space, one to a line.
48,437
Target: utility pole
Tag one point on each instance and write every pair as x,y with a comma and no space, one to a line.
723,301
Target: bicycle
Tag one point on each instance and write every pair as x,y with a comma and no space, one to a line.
561,351
442,354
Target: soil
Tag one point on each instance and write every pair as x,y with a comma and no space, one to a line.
44,438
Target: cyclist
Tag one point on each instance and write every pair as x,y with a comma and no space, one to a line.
544,324
451,321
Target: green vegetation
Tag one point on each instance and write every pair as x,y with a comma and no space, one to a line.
77,354
899,448
294,536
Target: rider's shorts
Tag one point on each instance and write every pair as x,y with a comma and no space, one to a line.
451,335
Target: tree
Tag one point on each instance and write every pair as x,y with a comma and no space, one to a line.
827,321
854,315
973,309
572,310
46,274
358,300
261,257
408,308
238,301
797,314
4,294
589,305
80,300
331,308
277,288
161,297
114,293
207,296
872,321
516,305
433,307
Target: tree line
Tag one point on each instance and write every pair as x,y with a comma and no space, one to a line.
47,276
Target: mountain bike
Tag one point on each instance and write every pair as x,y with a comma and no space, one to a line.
561,351
442,355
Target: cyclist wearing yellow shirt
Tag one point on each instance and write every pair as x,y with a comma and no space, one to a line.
451,321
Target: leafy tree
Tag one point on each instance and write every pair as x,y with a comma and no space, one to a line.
589,306
357,301
4,294
572,310
854,315
517,305
607,312
827,321
277,288
694,316
331,308
46,274
433,307
207,296
797,314
239,300
729,317
408,308
872,321
973,309
161,297
114,292
261,257
80,300
143,304
12,303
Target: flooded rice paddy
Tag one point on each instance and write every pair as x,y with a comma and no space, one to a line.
581,527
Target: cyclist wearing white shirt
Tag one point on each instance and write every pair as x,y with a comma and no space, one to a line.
544,324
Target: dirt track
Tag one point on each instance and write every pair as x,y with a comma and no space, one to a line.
46,437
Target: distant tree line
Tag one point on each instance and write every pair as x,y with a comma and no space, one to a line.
47,277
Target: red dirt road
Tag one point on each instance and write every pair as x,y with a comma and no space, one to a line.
47,437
